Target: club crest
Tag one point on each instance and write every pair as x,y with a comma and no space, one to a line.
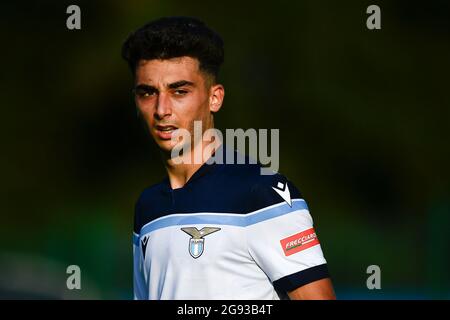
197,241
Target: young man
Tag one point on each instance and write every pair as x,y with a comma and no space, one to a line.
210,231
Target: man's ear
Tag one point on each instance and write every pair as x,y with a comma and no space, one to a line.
217,93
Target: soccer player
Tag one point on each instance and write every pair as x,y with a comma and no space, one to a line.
211,231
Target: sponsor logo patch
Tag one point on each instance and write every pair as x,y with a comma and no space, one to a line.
300,241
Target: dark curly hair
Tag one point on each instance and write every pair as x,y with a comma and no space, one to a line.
173,37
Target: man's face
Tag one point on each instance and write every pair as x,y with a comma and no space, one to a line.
172,94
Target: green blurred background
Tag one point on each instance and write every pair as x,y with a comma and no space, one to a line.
363,118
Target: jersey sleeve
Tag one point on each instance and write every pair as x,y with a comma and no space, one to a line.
281,236
139,284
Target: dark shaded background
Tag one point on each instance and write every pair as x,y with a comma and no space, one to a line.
363,118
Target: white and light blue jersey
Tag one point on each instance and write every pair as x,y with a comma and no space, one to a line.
229,233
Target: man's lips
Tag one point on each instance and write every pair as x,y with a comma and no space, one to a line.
165,128
165,132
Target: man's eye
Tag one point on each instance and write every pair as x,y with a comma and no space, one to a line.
144,94
180,92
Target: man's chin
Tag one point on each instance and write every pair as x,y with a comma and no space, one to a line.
171,149
165,146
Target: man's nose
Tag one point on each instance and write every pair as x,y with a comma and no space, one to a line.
163,106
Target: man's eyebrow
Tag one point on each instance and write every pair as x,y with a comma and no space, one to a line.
174,85
180,83
145,87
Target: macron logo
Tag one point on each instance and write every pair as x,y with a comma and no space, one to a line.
144,243
283,191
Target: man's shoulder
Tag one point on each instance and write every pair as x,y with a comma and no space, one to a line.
150,195
259,190
146,203
151,192
270,190
242,168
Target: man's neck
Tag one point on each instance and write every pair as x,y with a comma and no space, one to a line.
179,174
